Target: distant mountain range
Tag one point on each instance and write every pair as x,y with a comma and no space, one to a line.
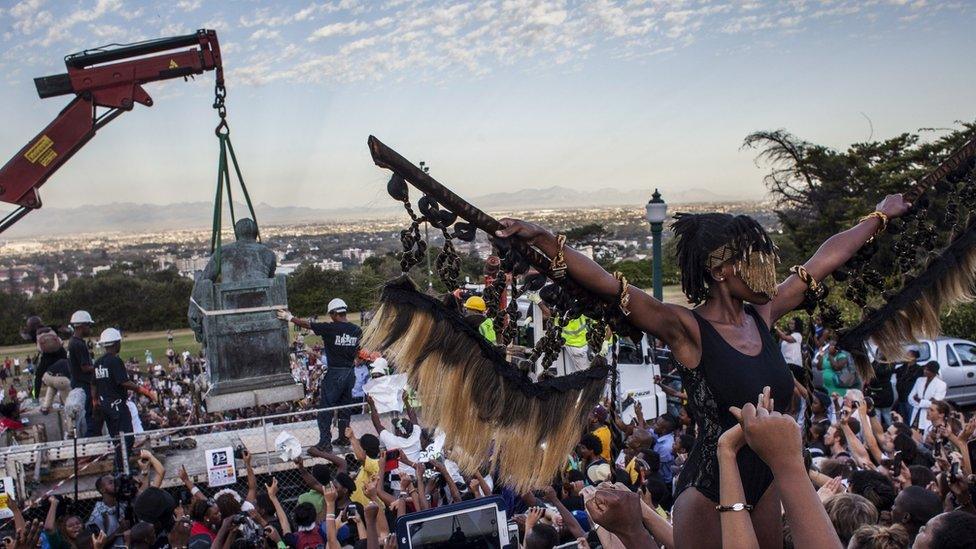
138,218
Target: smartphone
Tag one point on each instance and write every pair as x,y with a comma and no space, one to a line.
897,461
954,470
351,510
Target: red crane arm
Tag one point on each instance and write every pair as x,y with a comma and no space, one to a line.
108,78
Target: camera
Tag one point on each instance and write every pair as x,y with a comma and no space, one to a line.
239,451
126,487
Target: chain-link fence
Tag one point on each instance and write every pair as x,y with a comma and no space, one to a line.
70,468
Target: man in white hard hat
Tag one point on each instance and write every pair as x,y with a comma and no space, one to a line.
111,389
340,339
80,365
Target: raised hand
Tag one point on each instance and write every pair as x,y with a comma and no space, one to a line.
272,488
893,205
329,493
532,516
833,486
773,436
520,229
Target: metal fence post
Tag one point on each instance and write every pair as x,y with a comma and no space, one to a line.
125,454
267,447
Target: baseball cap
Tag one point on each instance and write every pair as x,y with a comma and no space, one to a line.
337,305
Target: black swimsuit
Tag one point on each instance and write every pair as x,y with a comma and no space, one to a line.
726,377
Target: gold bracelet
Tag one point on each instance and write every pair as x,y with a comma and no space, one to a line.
881,216
624,294
558,265
801,272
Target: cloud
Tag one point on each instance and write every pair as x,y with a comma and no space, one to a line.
189,5
347,28
265,34
59,29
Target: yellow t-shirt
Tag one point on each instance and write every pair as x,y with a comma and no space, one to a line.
631,469
603,433
370,468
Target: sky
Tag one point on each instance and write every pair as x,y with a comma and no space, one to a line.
495,96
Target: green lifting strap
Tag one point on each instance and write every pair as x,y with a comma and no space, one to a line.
223,183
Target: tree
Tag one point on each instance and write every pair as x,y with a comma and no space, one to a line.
821,191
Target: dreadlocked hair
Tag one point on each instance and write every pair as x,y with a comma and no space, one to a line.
698,235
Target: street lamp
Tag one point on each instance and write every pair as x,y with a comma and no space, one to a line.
657,212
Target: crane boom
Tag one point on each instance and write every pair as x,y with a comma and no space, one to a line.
110,78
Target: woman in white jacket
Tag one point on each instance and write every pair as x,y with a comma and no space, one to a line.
927,388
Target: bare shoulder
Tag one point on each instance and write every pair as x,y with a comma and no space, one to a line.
685,340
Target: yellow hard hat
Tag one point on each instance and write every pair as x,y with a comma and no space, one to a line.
475,303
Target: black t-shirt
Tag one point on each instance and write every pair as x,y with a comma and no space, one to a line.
60,367
79,355
110,374
905,376
341,341
880,389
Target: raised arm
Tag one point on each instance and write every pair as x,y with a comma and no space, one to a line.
338,461
252,481
357,448
737,529
776,439
194,491
831,255
279,510
669,323
157,467
306,476
569,521
50,521
869,437
374,416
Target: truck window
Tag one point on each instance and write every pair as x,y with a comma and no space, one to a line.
966,353
924,355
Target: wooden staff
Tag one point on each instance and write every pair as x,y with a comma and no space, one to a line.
387,158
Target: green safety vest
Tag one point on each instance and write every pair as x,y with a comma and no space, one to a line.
574,332
487,330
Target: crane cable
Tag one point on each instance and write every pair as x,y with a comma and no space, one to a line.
224,178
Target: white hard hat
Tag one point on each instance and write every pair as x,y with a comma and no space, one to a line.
81,317
337,306
109,336
379,366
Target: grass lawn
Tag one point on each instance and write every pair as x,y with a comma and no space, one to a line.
135,344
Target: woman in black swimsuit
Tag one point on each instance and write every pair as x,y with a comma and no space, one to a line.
724,346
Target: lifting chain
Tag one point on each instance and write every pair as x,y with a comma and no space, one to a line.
220,93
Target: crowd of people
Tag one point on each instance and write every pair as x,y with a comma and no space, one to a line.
774,437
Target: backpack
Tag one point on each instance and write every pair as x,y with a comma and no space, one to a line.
309,539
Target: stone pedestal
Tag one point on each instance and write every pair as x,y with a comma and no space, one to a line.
246,344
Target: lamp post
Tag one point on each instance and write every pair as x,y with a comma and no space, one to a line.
657,212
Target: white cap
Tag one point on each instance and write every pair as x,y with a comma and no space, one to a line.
337,305
81,317
109,336
379,366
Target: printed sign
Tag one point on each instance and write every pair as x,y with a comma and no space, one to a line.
221,470
7,492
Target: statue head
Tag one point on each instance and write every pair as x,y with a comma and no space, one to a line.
246,229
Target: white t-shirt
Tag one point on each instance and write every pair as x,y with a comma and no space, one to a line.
410,446
793,352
